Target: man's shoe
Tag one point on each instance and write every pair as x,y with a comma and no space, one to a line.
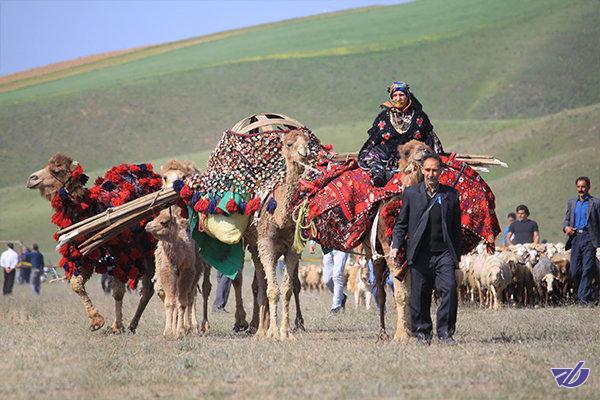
336,311
448,341
423,340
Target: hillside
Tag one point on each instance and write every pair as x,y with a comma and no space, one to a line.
518,80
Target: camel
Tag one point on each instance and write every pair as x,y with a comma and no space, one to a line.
179,170
178,267
49,180
409,162
271,236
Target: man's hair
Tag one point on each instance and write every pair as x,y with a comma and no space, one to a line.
511,215
35,246
524,208
429,155
585,179
12,246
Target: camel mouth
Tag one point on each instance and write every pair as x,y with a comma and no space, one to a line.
33,184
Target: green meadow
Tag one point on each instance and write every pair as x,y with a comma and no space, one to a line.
515,79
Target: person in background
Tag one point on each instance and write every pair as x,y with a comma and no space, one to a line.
334,262
523,230
222,292
9,260
582,226
510,218
24,266
37,268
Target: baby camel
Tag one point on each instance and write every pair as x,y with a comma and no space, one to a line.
178,269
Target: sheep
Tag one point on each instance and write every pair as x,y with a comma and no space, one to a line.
522,287
544,276
496,277
312,275
463,286
474,277
179,269
563,264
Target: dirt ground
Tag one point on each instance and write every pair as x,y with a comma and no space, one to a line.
47,352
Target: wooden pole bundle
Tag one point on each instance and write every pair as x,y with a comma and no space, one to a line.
471,159
115,220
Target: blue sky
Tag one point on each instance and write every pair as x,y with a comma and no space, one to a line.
37,33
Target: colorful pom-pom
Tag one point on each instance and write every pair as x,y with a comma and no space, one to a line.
178,185
252,206
271,205
231,206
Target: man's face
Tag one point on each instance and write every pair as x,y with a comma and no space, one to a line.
521,215
431,172
510,220
582,188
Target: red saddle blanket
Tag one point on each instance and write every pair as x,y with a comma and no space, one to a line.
343,204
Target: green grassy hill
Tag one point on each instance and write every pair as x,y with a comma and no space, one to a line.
515,79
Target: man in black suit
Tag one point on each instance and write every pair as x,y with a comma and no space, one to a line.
428,226
582,225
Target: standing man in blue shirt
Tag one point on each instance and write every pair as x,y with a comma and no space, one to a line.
582,226
37,268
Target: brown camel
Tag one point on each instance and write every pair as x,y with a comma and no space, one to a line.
180,170
410,157
49,180
271,236
178,268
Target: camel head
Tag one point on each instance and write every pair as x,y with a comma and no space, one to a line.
409,162
54,176
295,147
177,169
165,225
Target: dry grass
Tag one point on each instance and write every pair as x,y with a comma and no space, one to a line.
48,353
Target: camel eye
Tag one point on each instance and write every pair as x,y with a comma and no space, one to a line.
288,144
164,223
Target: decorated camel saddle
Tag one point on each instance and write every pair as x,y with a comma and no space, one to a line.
342,203
242,170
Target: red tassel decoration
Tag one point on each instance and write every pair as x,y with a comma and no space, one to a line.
231,206
252,206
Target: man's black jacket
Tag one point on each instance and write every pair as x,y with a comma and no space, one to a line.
409,232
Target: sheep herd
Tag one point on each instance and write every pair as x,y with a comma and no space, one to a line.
519,276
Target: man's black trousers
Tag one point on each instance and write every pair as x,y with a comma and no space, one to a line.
429,271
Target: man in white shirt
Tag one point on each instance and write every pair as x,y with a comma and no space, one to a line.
9,260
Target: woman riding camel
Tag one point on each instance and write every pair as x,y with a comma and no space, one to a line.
401,120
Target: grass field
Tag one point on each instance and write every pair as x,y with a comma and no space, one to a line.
48,353
515,79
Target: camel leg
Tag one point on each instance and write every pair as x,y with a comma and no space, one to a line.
78,286
206,287
367,295
185,284
402,298
118,291
380,271
193,319
268,258
147,292
296,287
259,308
170,317
291,263
240,314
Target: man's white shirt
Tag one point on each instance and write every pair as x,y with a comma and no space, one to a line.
9,259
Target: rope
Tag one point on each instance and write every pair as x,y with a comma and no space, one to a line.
299,215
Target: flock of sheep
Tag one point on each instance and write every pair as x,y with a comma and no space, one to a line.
519,275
